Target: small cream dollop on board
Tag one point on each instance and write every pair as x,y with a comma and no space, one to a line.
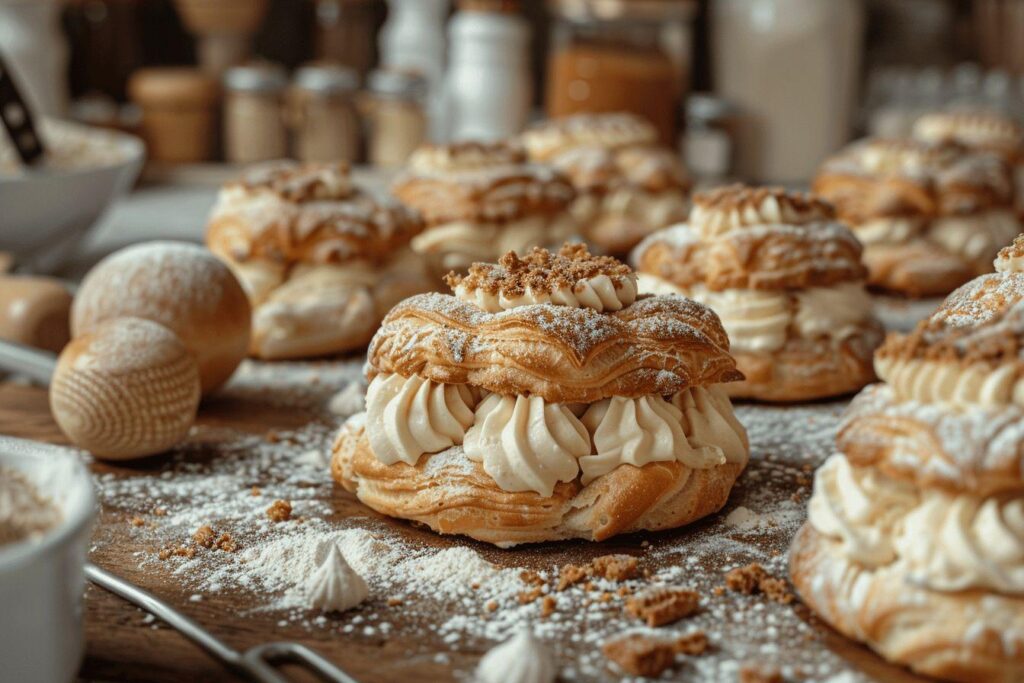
520,659
335,586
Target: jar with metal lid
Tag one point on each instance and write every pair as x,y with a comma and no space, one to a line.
254,127
394,108
179,112
620,55
322,113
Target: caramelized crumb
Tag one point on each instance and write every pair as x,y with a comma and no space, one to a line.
394,602
255,491
615,567
776,590
531,577
137,521
745,579
272,437
205,536
160,512
491,606
526,597
759,673
660,606
640,655
570,575
547,606
280,511
694,644
226,543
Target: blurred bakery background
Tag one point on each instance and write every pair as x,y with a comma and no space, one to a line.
758,90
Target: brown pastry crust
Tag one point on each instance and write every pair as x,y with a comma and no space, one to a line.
657,345
284,213
934,447
761,257
917,268
743,204
1009,253
460,498
496,186
808,369
977,129
966,636
615,130
598,170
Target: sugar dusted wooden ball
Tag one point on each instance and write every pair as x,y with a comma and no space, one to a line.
126,389
183,287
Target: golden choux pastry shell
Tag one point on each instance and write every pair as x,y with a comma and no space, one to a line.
183,287
35,311
126,389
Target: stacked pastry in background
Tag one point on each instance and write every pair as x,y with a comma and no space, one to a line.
787,281
931,215
627,186
544,401
321,260
915,538
480,200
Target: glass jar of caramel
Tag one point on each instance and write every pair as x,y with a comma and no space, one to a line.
620,55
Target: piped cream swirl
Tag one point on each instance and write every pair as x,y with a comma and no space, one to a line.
525,443
601,293
407,417
858,508
927,381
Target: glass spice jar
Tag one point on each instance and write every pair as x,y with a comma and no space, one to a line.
394,109
254,126
619,55
322,113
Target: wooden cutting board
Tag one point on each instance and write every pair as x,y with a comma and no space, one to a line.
123,645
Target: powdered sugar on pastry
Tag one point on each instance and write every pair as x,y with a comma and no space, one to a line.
730,208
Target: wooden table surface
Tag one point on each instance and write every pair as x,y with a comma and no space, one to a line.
123,645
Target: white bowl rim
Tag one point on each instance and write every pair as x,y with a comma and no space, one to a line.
76,516
133,148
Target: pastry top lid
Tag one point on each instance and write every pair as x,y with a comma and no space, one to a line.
611,131
475,181
289,212
599,169
976,128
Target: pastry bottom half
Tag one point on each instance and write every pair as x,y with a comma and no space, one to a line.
968,636
453,495
808,369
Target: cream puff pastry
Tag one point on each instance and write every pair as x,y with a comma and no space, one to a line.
787,282
930,215
320,260
914,543
480,200
626,186
545,400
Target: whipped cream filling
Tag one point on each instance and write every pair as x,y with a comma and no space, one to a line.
858,508
525,443
927,381
946,541
407,417
889,229
761,321
976,238
652,210
1009,264
601,293
459,244
711,221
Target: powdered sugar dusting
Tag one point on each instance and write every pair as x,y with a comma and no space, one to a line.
450,599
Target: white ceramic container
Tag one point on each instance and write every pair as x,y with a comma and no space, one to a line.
42,581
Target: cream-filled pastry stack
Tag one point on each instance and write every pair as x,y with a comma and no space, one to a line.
321,260
627,187
915,538
930,215
545,400
480,200
787,281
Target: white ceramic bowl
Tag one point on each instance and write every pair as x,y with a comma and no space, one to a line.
46,211
42,581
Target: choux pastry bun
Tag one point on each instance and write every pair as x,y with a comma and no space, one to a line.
183,287
35,311
127,388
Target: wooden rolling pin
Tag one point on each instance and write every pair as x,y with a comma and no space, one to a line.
35,311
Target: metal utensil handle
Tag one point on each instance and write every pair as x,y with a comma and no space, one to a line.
17,118
25,360
255,664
